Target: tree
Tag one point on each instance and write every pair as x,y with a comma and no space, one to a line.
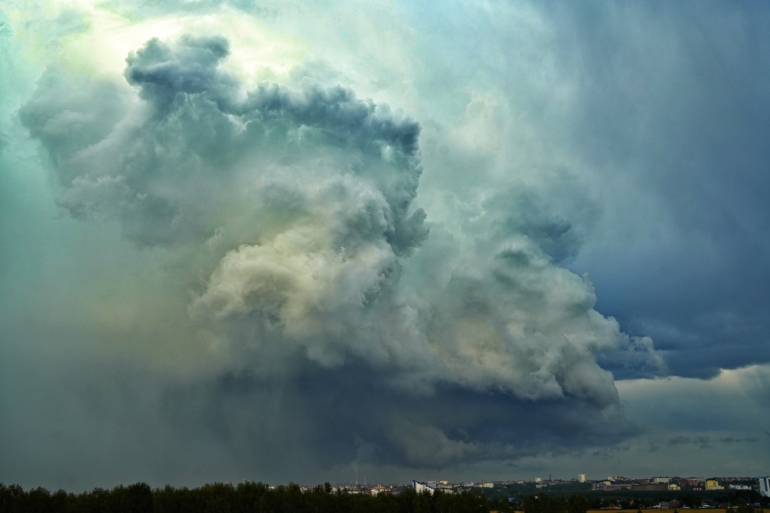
577,504
543,504
139,498
691,500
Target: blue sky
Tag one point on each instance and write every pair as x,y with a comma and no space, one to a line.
299,241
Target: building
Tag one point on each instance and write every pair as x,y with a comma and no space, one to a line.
661,479
713,484
538,480
582,478
605,487
764,486
421,486
650,487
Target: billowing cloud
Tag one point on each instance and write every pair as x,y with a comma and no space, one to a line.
287,211
224,243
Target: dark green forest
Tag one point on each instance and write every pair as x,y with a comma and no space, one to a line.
225,498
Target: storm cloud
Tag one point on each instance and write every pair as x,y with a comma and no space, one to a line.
236,244
288,213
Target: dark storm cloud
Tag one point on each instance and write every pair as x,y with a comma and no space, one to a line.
705,442
671,101
165,75
527,213
326,421
731,440
343,332
701,441
200,128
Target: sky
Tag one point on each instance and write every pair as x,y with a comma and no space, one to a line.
382,241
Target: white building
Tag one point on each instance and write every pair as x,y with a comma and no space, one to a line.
661,480
538,480
420,486
764,486
582,478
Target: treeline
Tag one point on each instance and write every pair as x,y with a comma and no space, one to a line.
542,503
549,504
549,501
225,498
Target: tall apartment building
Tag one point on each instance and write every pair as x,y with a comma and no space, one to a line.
582,478
764,486
420,486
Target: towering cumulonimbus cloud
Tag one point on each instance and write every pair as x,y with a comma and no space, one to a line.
290,216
